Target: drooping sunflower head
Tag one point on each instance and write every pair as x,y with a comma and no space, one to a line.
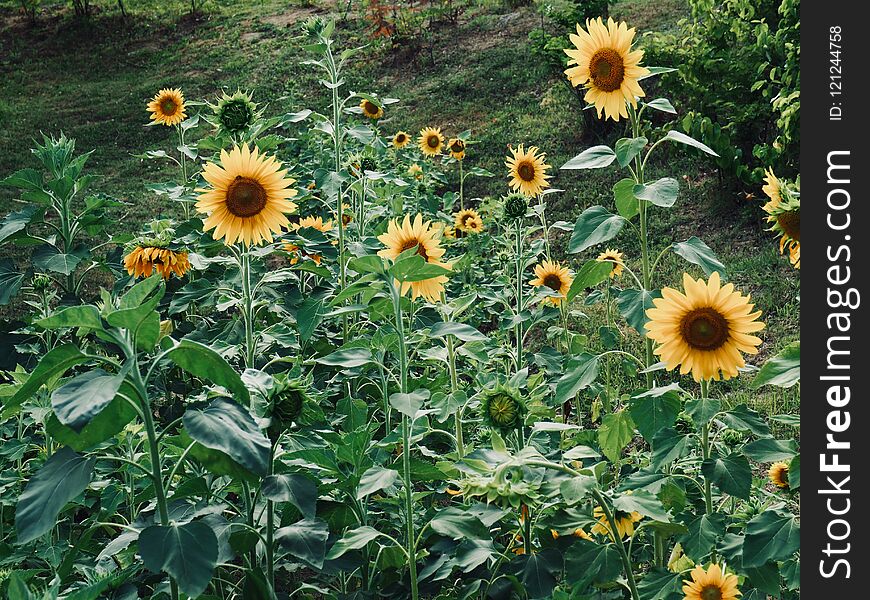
503,407
778,474
235,114
711,584
554,276
371,110
614,257
704,330
286,401
456,147
141,261
784,218
468,220
602,60
314,222
624,522
516,205
431,141
167,107
248,199
425,238
401,139
527,170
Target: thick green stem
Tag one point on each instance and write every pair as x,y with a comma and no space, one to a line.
270,530
461,187
705,443
454,387
247,308
518,328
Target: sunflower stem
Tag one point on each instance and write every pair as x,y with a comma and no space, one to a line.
461,187
247,306
518,328
705,442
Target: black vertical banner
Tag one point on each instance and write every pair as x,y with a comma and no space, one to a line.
834,416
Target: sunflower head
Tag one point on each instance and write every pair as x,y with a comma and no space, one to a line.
711,584
248,198
235,114
456,147
426,239
155,251
516,206
503,407
468,220
624,522
778,474
784,217
527,170
614,257
771,189
41,282
554,276
416,171
286,401
705,329
371,110
167,107
602,60
313,222
431,141
401,139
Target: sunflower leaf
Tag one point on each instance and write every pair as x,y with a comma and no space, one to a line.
595,225
595,157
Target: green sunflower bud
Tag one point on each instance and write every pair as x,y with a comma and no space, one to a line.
515,207
503,407
287,401
41,282
236,113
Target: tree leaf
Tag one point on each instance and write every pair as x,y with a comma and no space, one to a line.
201,361
595,225
595,157
186,552
77,401
783,370
226,426
698,253
295,488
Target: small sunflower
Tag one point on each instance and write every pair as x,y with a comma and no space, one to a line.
430,141
527,170
456,147
167,107
314,222
416,171
248,199
555,277
771,189
581,533
778,474
603,62
503,407
286,402
401,139
704,330
421,235
624,522
614,257
371,110
235,113
469,221
143,260
712,584
784,216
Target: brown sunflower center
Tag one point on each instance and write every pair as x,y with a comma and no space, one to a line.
168,107
433,141
246,197
526,171
370,108
553,281
467,220
711,592
457,147
704,329
790,222
400,139
607,69
421,249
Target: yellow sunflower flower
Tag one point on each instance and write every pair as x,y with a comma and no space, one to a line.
784,217
778,474
468,220
771,189
401,139
624,522
143,260
712,584
580,533
456,147
420,234
371,110
527,171
704,330
314,222
603,62
554,276
415,171
614,257
167,107
248,199
430,141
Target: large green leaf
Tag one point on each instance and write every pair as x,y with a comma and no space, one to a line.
201,361
56,362
579,374
614,434
743,418
698,253
730,473
306,540
783,370
628,148
308,317
772,535
15,222
595,157
655,409
227,426
48,258
633,305
590,274
458,524
461,331
409,404
661,584
704,530
588,562
595,225
662,192
348,358
623,197
375,479
63,477
770,450
295,488
575,489
108,422
539,573
643,503
11,278
186,552
682,138
353,540
77,401
87,316
668,446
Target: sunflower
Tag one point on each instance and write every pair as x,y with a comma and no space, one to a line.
314,222
624,522
614,257
346,214
167,107
603,61
784,216
778,474
554,276
416,171
712,584
705,329
371,110
421,235
431,141
456,147
143,260
527,171
581,533
503,407
469,221
771,189
235,113
248,199
401,139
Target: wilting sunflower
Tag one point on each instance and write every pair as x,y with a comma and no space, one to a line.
167,107
778,474
712,584
614,257
602,60
554,276
503,407
469,221
527,170
421,235
431,140
784,216
624,522
371,110
143,260
704,330
401,139
456,147
249,197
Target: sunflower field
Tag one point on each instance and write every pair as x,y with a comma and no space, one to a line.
352,356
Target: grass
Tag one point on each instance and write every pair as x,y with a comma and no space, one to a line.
92,79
